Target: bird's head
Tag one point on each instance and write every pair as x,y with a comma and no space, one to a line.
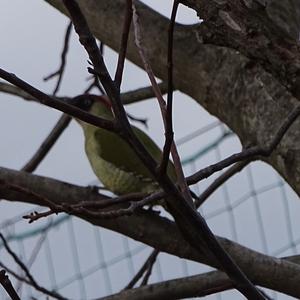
94,104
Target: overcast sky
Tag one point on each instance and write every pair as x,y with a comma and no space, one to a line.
31,41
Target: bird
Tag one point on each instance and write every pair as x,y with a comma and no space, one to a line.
112,159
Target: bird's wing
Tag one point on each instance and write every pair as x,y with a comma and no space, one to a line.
115,150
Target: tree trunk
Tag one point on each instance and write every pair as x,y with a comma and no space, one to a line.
232,86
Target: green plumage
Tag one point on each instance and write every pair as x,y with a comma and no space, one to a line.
114,162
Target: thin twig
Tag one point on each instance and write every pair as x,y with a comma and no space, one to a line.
148,263
57,104
169,134
26,271
113,201
220,180
64,120
249,153
95,82
111,214
40,199
142,93
38,288
7,285
13,90
129,97
62,66
138,120
89,43
81,208
47,144
162,104
138,42
34,216
191,224
17,260
123,47
33,257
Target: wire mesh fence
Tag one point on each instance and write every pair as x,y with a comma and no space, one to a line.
255,208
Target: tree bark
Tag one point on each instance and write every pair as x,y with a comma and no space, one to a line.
250,100
153,230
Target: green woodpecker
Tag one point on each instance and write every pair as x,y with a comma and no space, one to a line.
113,161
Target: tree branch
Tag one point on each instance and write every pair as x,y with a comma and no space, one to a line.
123,47
7,285
27,272
191,224
148,264
158,232
48,143
220,181
250,98
249,153
247,28
169,134
55,103
192,286
141,93
128,97
59,73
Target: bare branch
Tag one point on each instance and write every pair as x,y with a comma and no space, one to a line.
129,97
195,220
221,180
25,280
27,272
113,201
47,144
95,80
187,287
34,216
141,93
124,40
7,285
110,214
55,103
61,69
14,90
148,264
162,104
250,153
33,256
169,134
209,88
157,231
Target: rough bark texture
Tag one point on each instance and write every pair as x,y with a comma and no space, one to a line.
153,230
251,29
251,101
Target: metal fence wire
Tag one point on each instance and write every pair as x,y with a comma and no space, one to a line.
255,208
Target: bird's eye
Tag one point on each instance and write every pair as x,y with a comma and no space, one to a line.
83,102
87,102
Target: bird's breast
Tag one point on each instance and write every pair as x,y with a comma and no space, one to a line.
116,179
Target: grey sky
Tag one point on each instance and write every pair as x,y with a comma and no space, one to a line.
31,40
